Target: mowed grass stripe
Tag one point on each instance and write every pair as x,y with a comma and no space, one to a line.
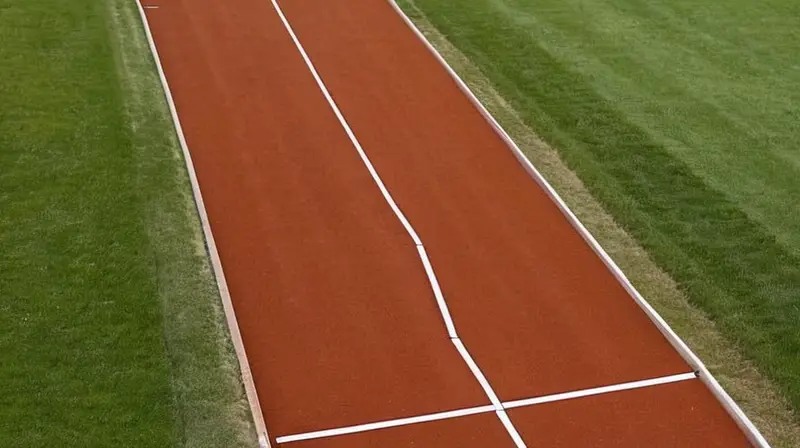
757,395
83,356
210,409
728,264
112,333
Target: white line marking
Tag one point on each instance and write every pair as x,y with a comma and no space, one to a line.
437,292
346,127
487,388
512,431
501,411
386,424
600,390
213,254
451,330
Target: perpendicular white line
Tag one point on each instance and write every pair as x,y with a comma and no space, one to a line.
600,390
346,126
437,292
498,408
386,424
476,372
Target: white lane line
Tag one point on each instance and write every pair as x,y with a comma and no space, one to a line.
487,388
512,431
501,411
346,127
600,390
386,424
437,292
451,330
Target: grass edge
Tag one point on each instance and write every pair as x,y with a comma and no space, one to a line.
210,407
759,398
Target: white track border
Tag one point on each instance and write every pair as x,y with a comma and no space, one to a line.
500,410
230,315
703,373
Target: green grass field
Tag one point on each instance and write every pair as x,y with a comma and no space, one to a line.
112,332
682,117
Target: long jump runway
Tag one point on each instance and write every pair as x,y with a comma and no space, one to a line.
398,277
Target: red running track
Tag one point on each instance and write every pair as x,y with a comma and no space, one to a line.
335,307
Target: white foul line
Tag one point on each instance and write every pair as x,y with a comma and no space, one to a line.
385,424
440,300
600,390
501,413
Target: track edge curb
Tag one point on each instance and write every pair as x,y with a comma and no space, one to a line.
213,254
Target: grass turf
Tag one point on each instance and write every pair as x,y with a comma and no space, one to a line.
112,334
681,118
759,398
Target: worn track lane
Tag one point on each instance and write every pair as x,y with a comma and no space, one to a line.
335,310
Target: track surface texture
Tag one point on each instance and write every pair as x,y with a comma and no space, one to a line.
336,310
